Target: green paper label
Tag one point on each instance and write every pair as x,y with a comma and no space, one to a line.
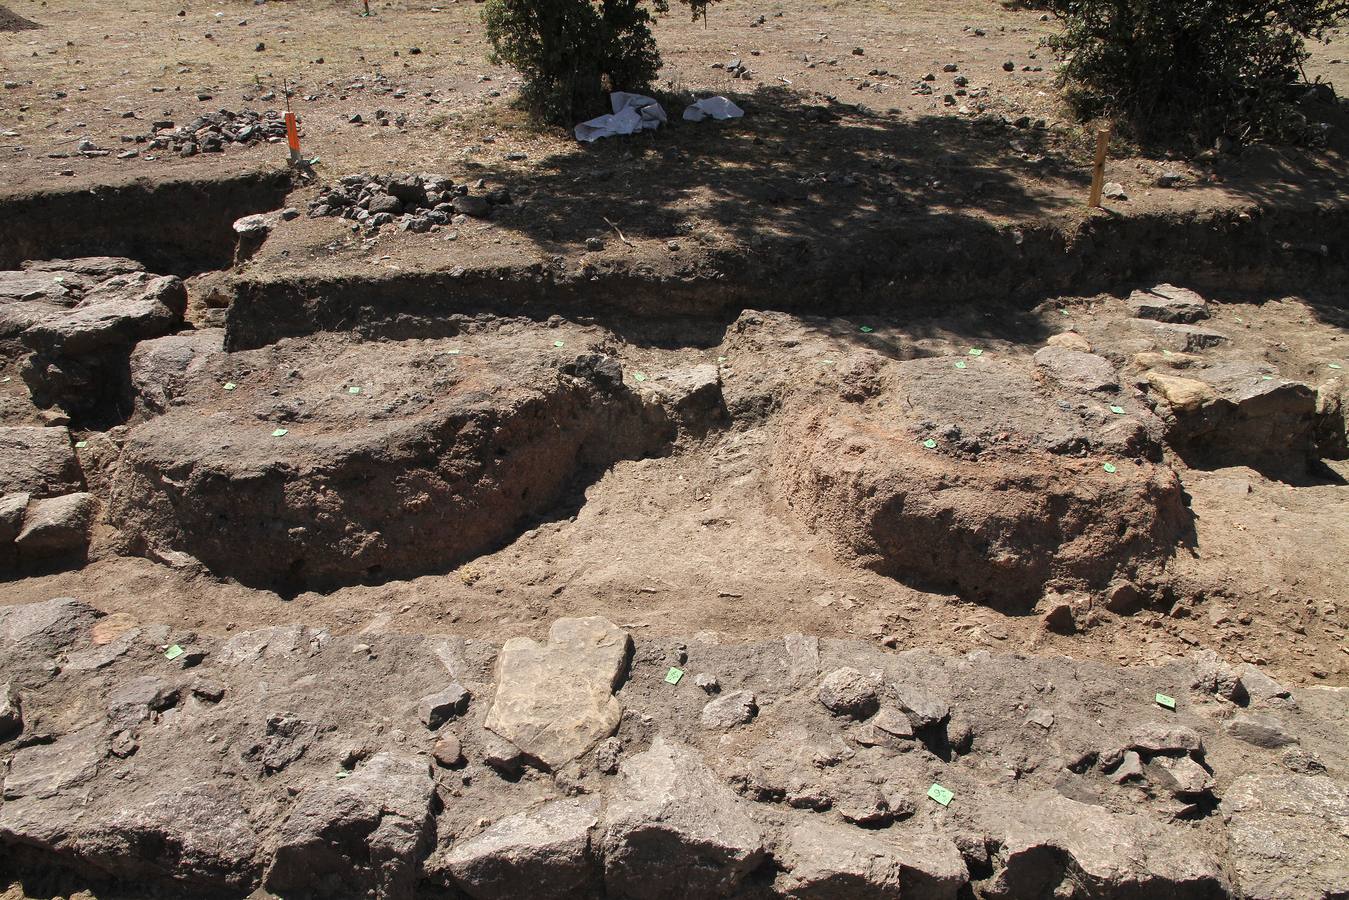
280,432
230,385
1110,467
353,390
940,794
866,329
960,364
1168,702
930,444
975,351
173,652
673,676
1117,410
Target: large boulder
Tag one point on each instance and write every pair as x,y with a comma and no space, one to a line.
162,368
983,481
673,830
544,854
1053,844
364,833
38,461
1288,836
79,358
45,628
1168,303
555,720
57,526
1235,414
831,862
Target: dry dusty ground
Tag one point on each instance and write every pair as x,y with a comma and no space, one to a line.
666,499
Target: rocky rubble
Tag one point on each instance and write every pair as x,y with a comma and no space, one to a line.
75,323
213,132
417,202
124,762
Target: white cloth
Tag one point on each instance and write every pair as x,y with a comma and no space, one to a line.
714,107
632,113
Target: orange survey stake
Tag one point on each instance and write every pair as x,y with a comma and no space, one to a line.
292,133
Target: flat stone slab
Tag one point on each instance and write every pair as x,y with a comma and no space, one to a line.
1289,836
555,701
1168,303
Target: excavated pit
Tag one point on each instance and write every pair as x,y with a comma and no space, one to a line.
313,464
968,474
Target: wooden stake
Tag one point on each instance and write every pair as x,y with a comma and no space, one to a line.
1098,172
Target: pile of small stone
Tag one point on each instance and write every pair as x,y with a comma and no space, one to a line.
422,200
210,133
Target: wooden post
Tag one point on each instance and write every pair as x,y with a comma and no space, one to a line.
1098,172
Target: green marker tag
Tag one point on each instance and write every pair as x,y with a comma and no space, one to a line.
557,343
930,444
454,352
1336,366
1063,312
353,390
1166,353
80,445
1117,410
1239,320
173,652
940,794
960,364
721,359
1266,377
343,773
230,385
1110,467
975,351
638,377
280,432
866,329
673,676
1168,702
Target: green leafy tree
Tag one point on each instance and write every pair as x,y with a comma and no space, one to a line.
1196,67
566,49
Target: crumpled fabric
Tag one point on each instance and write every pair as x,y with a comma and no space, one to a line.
713,107
632,113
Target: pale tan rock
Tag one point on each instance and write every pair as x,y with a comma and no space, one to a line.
1182,394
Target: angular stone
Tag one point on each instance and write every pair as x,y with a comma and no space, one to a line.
1077,370
367,832
544,853
1287,836
673,830
1185,777
1167,303
847,692
161,368
1069,340
1186,338
1159,737
829,862
923,705
448,752
555,701
58,525
694,395
38,461
1260,730
12,509
11,712
1259,687
729,710
438,708
1130,767
1054,846
1183,395
1216,676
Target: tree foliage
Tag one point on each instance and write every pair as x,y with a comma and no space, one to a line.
566,49
1196,67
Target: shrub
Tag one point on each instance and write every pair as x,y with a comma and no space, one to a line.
1195,67
566,49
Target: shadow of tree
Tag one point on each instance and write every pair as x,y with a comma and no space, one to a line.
790,169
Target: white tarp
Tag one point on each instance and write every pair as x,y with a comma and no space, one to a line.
714,107
632,113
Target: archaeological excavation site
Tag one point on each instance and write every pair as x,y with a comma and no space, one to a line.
844,471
